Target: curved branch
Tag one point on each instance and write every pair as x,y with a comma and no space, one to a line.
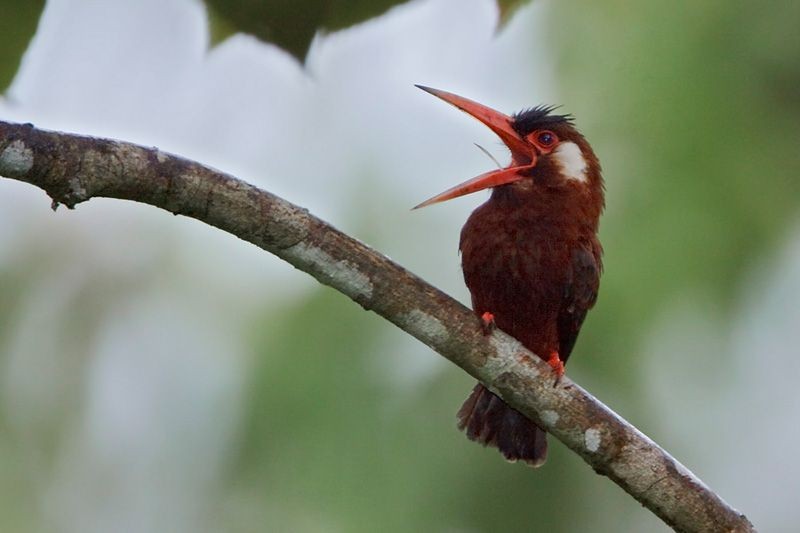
73,169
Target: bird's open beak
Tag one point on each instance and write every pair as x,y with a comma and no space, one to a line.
500,124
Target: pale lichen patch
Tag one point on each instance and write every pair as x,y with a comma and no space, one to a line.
16,159
78,192
426,326
508,350
341,274
592,439
549,417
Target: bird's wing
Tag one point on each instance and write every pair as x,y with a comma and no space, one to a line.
580,293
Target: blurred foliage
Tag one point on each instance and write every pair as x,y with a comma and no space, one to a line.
16,486
17,25
37,422
288,23
292,25
691,106
508,8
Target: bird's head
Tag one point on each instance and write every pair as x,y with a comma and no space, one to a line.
548,155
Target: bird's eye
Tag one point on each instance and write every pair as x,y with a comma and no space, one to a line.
545,139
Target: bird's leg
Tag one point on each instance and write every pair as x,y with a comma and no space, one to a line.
557,365
487,323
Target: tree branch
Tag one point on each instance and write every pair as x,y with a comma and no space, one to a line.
73,169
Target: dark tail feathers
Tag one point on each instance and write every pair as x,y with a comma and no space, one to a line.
486,419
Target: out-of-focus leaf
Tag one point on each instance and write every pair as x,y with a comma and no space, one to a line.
344,13
508,8
288,23
18,20
292,25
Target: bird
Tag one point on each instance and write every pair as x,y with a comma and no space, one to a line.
530,255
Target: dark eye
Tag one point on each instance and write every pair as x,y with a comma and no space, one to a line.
546,138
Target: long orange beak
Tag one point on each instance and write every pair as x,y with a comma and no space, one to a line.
500,124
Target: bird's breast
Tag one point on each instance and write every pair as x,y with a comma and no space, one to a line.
516,268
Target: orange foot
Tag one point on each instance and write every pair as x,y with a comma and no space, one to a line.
487,323
557,365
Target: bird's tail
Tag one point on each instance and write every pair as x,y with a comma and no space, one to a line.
487,419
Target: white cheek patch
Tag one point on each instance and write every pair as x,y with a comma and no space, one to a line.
570,159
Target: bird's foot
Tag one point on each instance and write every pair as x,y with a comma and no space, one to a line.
487,323
557,365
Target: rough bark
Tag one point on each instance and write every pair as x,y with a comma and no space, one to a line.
72,169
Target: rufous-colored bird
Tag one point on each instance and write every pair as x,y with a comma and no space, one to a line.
530,255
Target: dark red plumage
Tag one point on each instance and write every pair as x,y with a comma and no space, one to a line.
530,256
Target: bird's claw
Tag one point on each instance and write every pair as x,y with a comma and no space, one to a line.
557,365
487,323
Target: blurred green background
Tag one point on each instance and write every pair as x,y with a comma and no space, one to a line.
156,375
